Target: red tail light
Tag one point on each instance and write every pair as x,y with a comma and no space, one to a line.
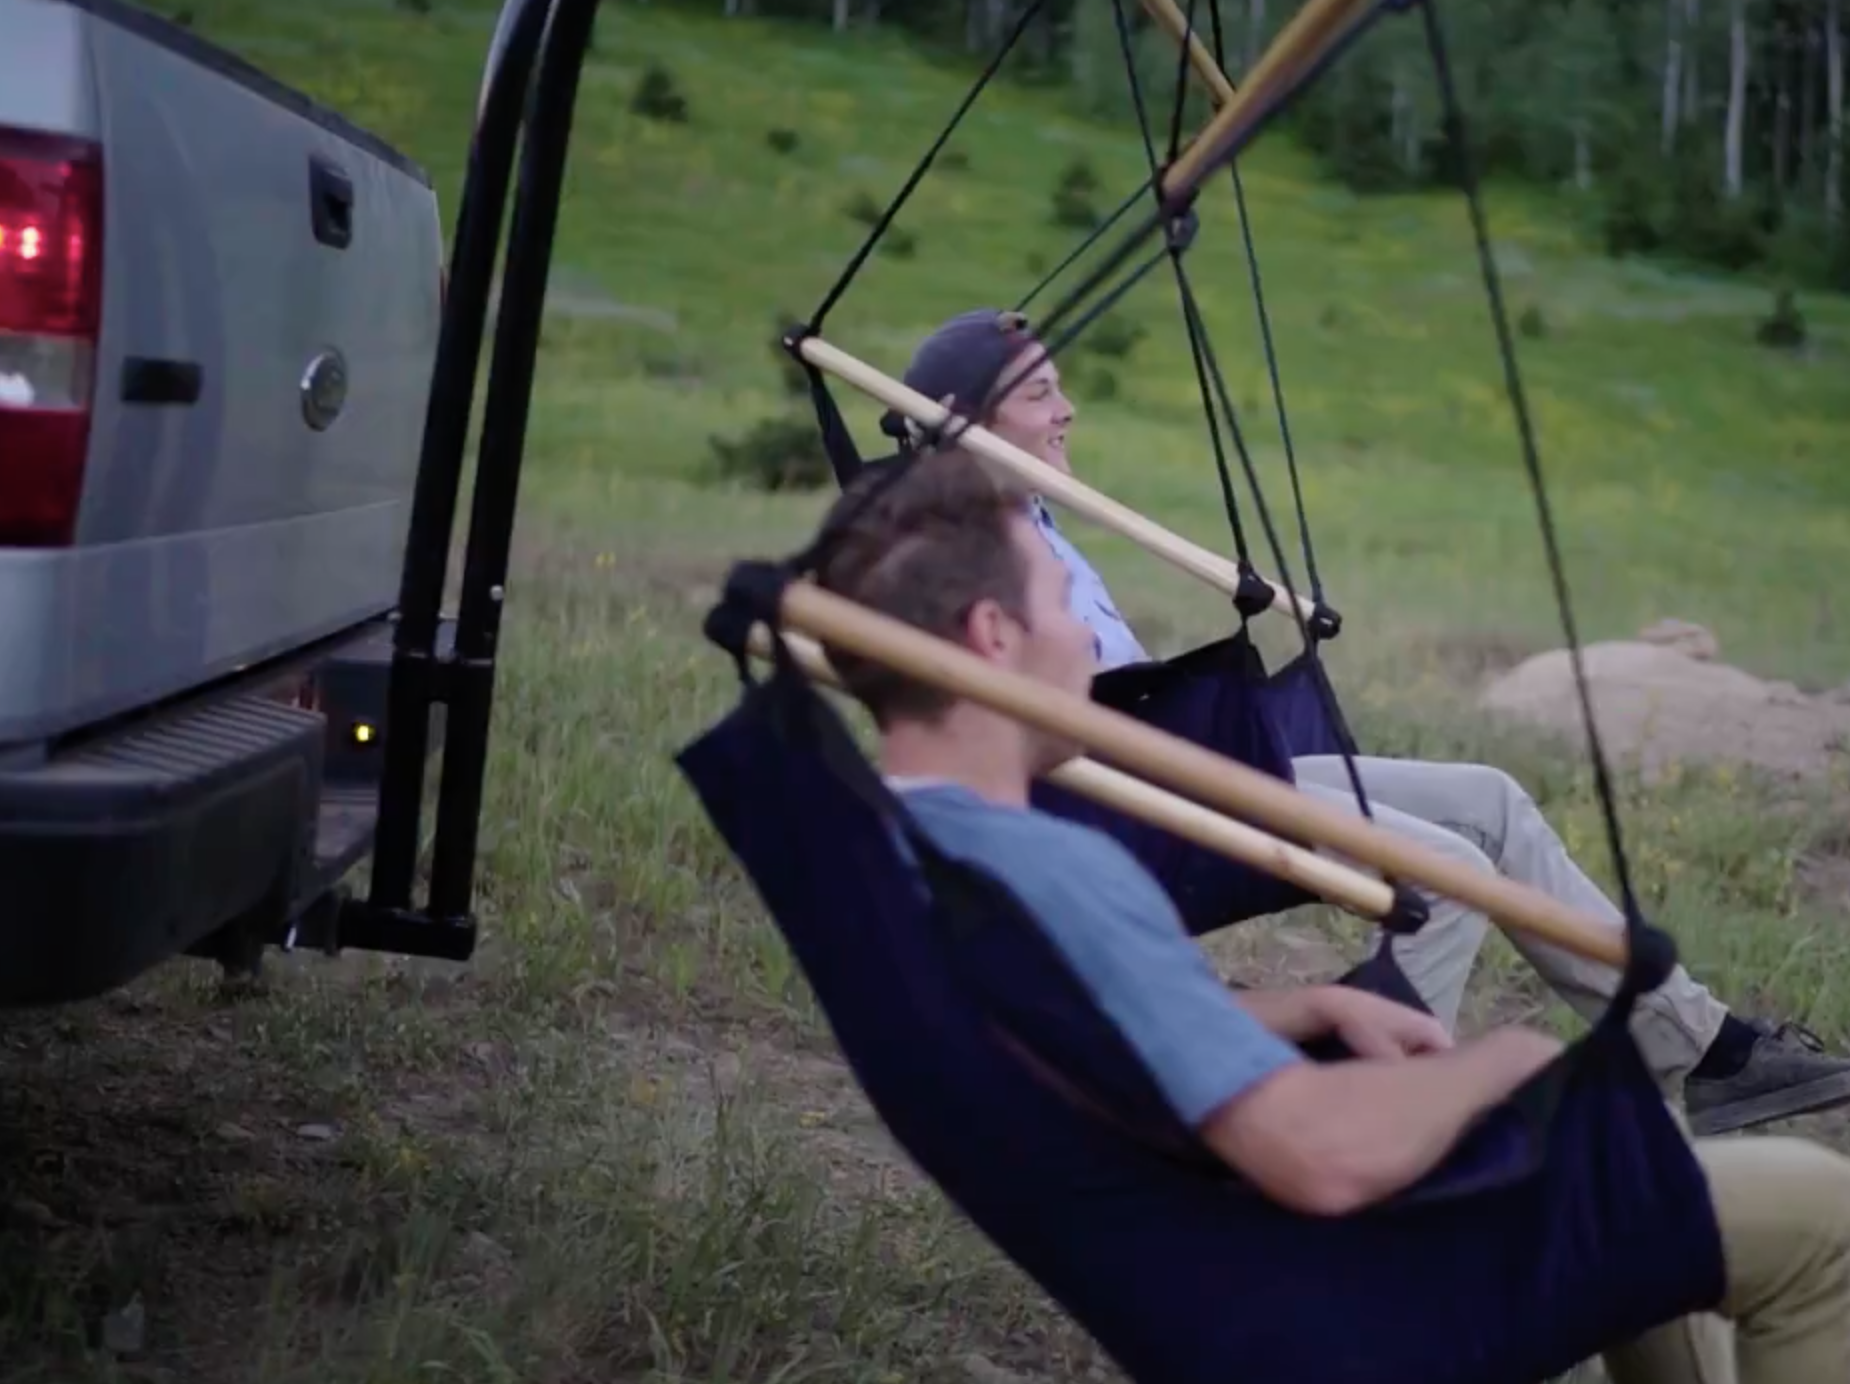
51,292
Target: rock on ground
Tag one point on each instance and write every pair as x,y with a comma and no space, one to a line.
1664,698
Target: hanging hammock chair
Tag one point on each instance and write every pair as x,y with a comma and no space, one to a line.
1571,1217
1220,695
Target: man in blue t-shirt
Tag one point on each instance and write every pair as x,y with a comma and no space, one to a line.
949,551
1733,1072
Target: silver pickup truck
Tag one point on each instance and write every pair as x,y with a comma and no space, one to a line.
219,309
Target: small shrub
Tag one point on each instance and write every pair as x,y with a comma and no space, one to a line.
1074,194
658,97
1102,384
1531,323
1114,338
1785,329
782,140
782,453
899,242
668,363
1035,263
953,160
183,18
862,208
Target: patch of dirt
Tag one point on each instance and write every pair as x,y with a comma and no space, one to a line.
1664,698
150,1170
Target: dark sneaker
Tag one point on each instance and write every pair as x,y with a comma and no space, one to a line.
1787,1073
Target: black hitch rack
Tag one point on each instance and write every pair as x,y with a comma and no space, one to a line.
530,84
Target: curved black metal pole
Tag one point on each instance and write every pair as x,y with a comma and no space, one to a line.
416,670
504,429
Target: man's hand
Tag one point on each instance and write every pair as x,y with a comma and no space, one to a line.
1368,1024
1375,1027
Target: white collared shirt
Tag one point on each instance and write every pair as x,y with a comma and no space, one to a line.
1112,637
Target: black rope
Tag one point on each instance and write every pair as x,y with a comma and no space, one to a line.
1467,177
1213,384
886,218
1138,103
1051,345
1181,103
1325,693
1265,336
1101,273
1092,238
815,555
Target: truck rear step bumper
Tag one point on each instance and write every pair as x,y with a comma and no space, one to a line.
129,850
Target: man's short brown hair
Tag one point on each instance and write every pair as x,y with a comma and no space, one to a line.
927,548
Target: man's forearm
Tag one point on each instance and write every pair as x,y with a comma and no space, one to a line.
1408,1115
1331,1139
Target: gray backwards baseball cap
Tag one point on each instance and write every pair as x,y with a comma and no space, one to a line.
963,359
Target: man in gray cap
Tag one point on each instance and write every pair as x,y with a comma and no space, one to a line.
987,365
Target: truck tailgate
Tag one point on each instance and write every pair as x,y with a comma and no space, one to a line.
271,294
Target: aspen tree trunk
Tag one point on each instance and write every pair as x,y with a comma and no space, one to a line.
1782,108
1673,70
1692,60
1399,115
1834,105
1737,97
1808,102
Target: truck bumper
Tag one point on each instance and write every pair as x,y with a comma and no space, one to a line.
128,850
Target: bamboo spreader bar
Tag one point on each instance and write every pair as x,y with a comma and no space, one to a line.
1055,485
1191,770
1340,884
1168,14
1300,45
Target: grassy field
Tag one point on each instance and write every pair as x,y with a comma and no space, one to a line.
618,1146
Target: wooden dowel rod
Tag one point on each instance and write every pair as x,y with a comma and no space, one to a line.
1313,30
1168,14
1055,485
1340,884
1195,772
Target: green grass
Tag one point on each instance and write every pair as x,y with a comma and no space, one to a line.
616,1146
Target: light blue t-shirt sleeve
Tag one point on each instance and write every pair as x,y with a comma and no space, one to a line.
1124,940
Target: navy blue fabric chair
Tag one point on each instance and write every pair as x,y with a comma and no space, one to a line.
1216,696
1303,708
1221,697
1571,1218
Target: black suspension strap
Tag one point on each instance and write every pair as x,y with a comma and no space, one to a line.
947,431
1052,344
1638,972
1325,693
1096,234
1181,88
1225,143
1214,388
1254,596
1271,357
879,227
